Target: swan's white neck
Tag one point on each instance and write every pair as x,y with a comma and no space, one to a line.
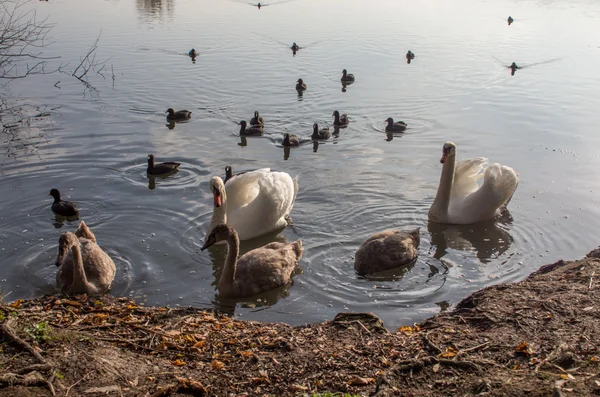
439,209
228,275
219,214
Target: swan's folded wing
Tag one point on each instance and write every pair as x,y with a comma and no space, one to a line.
499,184
466,175
243,188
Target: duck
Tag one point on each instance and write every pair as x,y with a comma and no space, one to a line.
410,55
259,270
178,115
256,129
193,53
62,208
400,126
320,133
83,267
461,200
347,78
387,250
253,203
257,119
290,140
301,85
295,47
160,168
510,20
340,120
229,173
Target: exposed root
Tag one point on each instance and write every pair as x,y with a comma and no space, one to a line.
9,333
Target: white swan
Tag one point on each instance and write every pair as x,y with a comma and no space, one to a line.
460,200
253,203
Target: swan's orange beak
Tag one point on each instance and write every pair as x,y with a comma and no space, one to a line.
444,157
217,197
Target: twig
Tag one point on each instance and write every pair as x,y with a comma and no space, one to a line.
591,280
431,345
76,383
34,367
470,349
7,330
362,325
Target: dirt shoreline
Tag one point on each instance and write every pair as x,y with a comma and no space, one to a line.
537,337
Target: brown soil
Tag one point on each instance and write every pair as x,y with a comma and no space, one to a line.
539,337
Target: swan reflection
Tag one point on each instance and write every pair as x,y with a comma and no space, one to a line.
486,239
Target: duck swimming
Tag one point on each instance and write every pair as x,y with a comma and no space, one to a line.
160,168
290,140
409,56
347,78
387,250
320,133
300,86
193,54
399,126
62,208
513,68
340,120
84,268
257,119
178,115
510,20
259,270
256,129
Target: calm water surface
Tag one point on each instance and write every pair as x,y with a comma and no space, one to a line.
92,143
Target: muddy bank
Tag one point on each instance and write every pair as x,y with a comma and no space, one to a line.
538,337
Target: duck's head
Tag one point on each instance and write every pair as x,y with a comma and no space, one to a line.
66,241
54,193
220,232
315,128
243,123
449,149
217,187
389,120
150,158
228,172
513,65
335,113
344,72
256,115
171,112
300,81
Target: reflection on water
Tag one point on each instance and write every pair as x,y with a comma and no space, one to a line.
488,240
150,10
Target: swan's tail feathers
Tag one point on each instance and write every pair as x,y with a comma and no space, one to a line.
297,246
84,231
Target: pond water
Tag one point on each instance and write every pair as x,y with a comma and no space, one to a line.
91,142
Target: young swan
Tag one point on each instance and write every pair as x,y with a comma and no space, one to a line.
387,250
340,120
259,270
83,267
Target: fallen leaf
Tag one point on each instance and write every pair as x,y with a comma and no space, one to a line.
516,367
597,383
567,376
131,306
358,381
17,304
151,378
247,354
524,348
298,388
178,362
594,359
216,364
407,329
199,344
449,353
436,367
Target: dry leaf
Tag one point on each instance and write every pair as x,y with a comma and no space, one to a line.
199,344
516,367
216,364
524,348
17,304
567,376
178,362
407,329
594,359
358,381
597,383
131,306
449,353
299,388
436,367
247,354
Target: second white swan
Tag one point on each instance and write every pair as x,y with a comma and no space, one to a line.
253,203
460,200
